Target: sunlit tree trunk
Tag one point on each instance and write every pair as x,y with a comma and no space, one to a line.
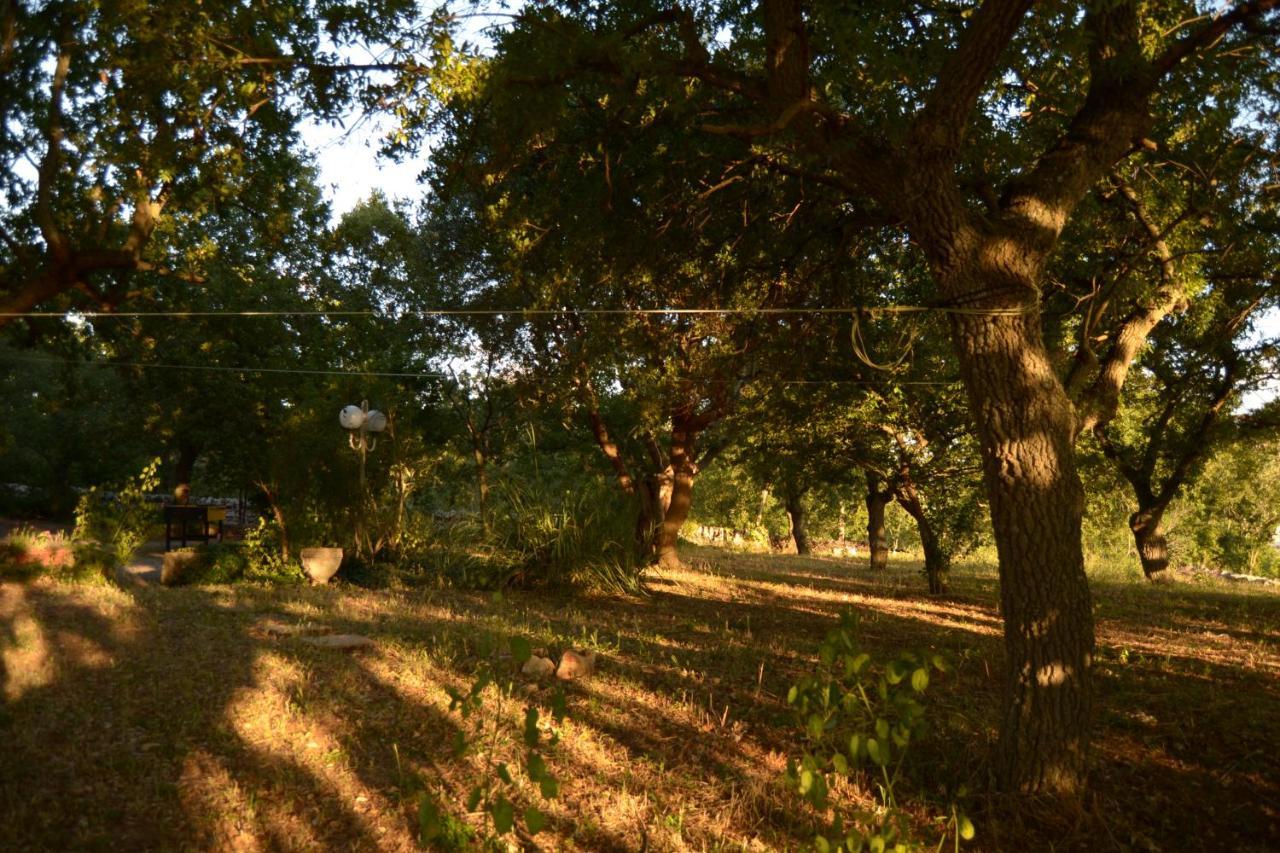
1025,425
1153,547
937,562
796,513
683,471
877,499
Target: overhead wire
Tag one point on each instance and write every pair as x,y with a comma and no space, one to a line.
218,368
866,311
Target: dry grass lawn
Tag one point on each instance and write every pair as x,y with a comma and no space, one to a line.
157,718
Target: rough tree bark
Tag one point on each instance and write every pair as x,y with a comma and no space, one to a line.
1025,426
1153,547
937,562
877,498
684,469
796,514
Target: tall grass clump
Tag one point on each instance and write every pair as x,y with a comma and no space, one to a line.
584,536
27,553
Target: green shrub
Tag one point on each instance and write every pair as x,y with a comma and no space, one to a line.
117,525
217,563
858,718
92,562
480,732
27,553
227,563
261,551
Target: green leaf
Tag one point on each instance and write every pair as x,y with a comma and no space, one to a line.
882,728
473,799
503,814
549,787
940,663
964,827
531,732
537,768
920,680
893,673
534,820
503,773
558,705
821,844
856,746
792,695
877,844
816,726
429,819
807,778
840,763
521,650
878,753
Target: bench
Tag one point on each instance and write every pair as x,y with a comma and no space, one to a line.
195,523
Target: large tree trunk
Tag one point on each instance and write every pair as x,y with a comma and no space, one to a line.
877,499
188,453
1153,548
796,513
683,470
655,497
1025,425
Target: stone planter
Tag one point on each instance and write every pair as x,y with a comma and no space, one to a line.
320,564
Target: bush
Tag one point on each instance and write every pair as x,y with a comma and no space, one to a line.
27,553
858,719
225,563
117,524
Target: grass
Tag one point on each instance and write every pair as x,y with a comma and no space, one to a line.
161,718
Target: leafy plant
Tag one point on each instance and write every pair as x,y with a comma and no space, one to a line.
260,550
483,711
859,719
117,523
576,536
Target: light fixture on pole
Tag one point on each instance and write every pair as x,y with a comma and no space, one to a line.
361,422
363,426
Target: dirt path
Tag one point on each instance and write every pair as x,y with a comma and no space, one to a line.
147,562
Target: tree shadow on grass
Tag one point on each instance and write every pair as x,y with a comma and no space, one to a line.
130,745
165,723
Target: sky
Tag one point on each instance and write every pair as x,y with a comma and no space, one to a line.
351,170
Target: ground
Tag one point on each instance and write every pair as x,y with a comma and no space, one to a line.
152,718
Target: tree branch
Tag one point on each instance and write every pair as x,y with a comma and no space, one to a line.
941,123
1209,33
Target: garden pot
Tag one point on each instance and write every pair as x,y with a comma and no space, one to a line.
321,564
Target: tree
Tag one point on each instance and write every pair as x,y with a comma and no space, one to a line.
123,125
934,140
1173,418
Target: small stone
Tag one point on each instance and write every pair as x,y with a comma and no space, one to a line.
538,667
574,665
339,641
276,628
